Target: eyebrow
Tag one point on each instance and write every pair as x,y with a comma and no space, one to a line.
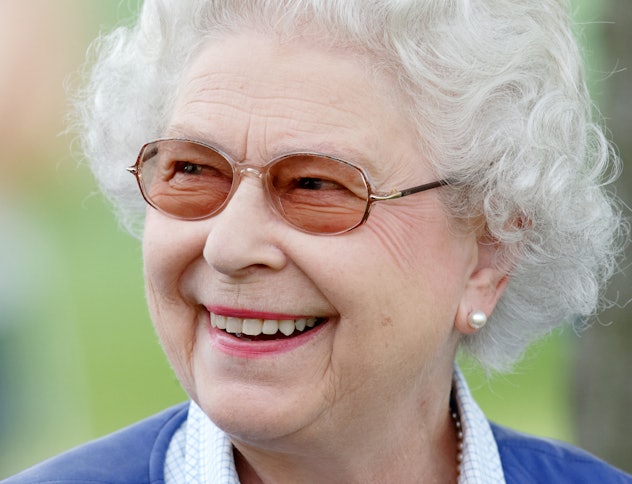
179,130
345,152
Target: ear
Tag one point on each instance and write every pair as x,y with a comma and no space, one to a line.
485,286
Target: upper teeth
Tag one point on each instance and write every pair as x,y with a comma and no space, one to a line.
255,327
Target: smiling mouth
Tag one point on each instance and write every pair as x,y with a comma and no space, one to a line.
264,329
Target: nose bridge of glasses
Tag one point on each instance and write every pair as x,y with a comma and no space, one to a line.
250,170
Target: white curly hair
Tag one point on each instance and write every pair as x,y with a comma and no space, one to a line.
496,90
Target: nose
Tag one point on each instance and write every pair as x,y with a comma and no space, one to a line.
247,234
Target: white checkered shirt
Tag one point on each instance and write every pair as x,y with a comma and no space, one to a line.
200,453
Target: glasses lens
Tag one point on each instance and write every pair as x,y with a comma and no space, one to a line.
318,194
185,179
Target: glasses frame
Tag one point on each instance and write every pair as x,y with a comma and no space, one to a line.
240,169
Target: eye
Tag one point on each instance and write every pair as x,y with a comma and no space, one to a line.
188,168
309,183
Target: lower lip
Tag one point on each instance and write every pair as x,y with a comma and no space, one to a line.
239,348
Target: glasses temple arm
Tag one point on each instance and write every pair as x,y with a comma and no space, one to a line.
409,191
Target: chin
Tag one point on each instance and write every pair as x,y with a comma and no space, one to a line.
251,417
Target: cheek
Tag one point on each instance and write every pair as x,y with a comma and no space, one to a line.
175,325
173,318
404,271
169,248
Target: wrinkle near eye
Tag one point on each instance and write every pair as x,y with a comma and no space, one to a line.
392,226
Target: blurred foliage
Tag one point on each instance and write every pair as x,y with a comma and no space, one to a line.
78,355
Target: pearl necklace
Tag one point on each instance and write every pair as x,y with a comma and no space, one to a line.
454,412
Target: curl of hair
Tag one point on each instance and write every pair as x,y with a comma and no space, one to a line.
496,92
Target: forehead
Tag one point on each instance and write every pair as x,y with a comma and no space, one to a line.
257,97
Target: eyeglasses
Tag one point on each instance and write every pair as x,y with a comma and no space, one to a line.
314,193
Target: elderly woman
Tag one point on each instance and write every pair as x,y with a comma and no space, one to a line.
340,194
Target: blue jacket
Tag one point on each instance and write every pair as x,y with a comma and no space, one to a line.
136,455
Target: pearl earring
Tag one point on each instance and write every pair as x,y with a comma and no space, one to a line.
477,319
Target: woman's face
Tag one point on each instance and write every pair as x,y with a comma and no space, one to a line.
385,295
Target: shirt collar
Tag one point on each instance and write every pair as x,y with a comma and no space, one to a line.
481,460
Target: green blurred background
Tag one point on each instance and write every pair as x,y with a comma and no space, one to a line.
78,355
